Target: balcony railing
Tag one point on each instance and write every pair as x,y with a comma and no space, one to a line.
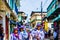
58,4
51,11
35,20
51,4
56,18
54,7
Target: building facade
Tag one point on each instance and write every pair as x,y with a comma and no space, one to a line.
36,18
22,17
7,8
53,15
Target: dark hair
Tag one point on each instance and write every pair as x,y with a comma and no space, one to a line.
0,24
14,30
20,29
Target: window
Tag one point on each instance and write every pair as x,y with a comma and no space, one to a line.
53,6
56,4
38,17
52,25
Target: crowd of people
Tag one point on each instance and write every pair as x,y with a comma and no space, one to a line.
23,33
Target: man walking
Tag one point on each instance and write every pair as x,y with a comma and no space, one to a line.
55,35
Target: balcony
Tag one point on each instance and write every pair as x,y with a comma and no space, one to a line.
56,19
51,5
37,18
53,9
33,18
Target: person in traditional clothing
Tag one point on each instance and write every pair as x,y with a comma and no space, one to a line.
23,32
55,35
15,35
38,34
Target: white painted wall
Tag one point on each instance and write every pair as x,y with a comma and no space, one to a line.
2,14
38,17
49,25
4,27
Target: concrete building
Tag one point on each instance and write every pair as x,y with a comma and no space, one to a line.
36,18
7,8
4,10
22,17
53,15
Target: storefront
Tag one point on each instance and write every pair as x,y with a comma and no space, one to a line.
57,25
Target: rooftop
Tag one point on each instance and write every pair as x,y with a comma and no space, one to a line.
36,12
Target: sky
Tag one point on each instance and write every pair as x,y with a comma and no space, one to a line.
28,6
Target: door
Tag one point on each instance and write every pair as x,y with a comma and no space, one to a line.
7,28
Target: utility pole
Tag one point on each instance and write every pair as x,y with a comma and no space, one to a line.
41,8
41,11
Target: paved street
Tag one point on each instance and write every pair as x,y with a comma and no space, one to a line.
46,39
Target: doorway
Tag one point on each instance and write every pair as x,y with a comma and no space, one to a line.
7,28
